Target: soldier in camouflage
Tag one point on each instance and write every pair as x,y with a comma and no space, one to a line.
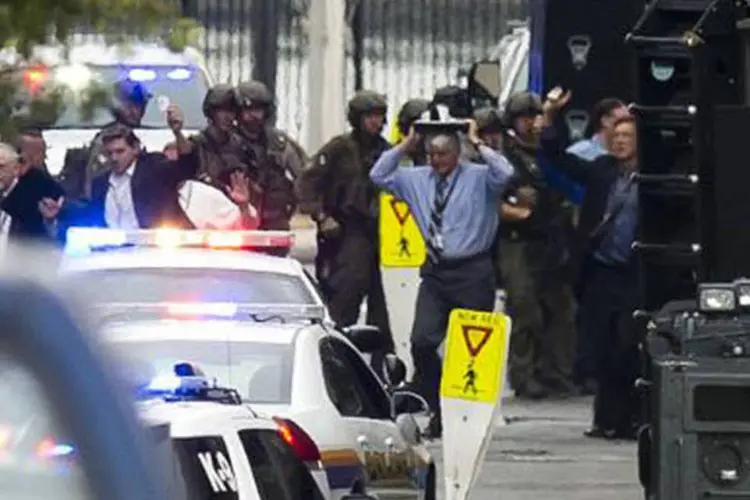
276,160
81,165
336,191
219,146
533,253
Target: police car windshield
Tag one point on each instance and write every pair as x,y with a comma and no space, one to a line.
261,372
180,85
149,285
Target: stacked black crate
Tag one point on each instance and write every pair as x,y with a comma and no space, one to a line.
687,63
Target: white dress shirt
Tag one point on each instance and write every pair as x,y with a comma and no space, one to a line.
119,212
5,221
209,208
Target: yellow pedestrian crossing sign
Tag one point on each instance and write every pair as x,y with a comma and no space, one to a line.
475,356
401,243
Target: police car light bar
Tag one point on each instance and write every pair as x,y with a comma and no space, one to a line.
187,383
216,310
88,239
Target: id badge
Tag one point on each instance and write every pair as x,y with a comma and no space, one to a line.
439,241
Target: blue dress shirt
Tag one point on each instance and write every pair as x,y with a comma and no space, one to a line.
470,218
588,149
616,247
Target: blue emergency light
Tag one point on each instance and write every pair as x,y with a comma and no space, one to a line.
151,74
186,383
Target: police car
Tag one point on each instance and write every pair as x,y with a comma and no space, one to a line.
164,265
180,78
219,447
287,363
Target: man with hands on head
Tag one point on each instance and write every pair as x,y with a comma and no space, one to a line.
455,207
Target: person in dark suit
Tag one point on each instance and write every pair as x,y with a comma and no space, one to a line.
139,190
606,274
33,149
29,200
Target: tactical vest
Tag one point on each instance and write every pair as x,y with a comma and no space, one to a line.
275,178
219,160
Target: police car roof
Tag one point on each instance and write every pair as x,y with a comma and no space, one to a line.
99,53
200,418
206,330
182,258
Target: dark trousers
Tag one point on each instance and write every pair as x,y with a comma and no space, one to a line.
348,270
461,284
607,304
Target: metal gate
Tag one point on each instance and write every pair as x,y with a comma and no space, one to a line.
404,48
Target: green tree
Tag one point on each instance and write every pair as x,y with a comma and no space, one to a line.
25,24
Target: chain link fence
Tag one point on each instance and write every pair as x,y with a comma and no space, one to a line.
404,49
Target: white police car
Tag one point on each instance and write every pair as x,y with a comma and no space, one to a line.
287,362
172,266
220,448
180,78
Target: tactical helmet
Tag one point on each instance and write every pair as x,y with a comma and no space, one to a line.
455,98
364,102
488,120
411,111
130,91
522,104
254,93
221,96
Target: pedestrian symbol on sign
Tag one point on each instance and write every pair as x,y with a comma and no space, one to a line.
471,378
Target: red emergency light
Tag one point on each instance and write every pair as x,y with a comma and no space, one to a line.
34,78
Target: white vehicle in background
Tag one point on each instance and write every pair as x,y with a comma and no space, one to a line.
219,447
286,362
180,78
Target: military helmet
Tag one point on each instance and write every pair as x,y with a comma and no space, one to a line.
364,102
522,104
221,96
254,93
133,92
488,120
412,110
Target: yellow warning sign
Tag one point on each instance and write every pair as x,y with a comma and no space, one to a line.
475,356
401,243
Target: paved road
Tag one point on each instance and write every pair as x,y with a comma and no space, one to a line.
542,453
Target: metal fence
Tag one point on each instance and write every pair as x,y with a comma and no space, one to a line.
404,48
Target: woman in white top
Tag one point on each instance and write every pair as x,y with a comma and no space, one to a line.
209,208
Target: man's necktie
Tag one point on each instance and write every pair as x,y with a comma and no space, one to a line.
434,236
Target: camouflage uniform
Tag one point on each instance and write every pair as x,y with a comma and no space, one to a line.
533,255
276,161
337,185
219,152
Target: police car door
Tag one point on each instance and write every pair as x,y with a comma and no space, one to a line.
362,402
206,468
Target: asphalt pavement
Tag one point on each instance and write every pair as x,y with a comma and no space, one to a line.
541,453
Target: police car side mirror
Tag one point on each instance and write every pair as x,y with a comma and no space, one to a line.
366,338
394,370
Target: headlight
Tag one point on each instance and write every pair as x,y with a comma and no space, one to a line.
743,293
717,298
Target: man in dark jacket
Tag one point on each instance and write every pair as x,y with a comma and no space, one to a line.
606,274
138,190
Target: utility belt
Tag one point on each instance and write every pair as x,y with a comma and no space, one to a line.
449,264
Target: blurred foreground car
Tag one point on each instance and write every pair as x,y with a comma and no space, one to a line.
287,362
55,384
